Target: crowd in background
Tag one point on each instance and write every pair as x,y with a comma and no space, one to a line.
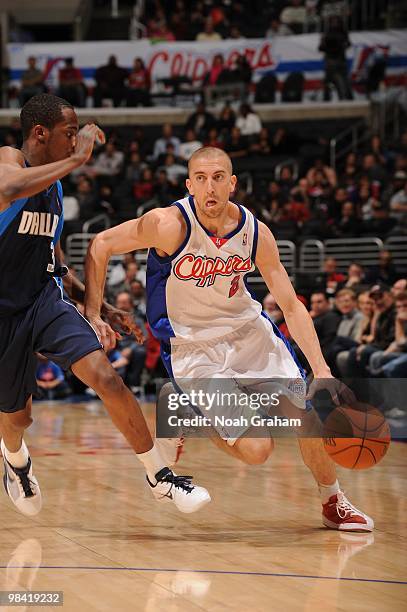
138,169
215,20
114,84
361,326
117,85
304,197
144,167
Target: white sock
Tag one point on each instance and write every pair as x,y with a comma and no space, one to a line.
153,462
18,459
326,491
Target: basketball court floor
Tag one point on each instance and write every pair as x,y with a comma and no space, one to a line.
259,546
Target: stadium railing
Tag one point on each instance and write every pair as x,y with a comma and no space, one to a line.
99,220
345,250
397,245
309,258
77,246
365,251
76,249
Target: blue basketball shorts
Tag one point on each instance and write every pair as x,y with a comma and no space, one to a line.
51,326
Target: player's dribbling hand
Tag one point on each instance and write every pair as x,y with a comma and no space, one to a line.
107,337
85,141
336,388
120,319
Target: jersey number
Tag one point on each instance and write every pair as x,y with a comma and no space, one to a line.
234,286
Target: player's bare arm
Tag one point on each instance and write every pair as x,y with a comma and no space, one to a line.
163,229
296,315
297,318
117,319
17,181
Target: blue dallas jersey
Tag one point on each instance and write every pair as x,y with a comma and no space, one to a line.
29,229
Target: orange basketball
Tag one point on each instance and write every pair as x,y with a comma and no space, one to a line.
356,437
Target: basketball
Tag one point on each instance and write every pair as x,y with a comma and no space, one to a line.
356,437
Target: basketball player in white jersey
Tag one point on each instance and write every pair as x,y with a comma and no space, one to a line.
199,308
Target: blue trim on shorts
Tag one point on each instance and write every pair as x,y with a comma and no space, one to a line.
165,352
279,334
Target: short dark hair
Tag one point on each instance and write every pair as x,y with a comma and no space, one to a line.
321,292
43,109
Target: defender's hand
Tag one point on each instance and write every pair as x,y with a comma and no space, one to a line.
85,141
105,333
120,319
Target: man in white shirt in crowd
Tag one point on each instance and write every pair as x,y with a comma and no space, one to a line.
248,122
160,145
190,145
398,203
294,16
110,161
208,34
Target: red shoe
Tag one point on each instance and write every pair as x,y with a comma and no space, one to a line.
338,513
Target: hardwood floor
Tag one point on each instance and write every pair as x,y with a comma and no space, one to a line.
259,546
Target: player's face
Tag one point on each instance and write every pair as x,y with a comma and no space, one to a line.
211,183
62,137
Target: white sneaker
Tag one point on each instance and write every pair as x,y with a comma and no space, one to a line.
179,489
22,486
170,449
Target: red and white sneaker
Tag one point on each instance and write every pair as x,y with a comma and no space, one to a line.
338,513
171,449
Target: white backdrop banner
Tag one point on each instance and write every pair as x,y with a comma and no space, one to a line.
193,59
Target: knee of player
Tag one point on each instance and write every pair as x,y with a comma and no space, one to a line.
17,421
257,451
109,383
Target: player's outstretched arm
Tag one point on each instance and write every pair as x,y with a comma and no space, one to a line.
16,181
159,228
296,315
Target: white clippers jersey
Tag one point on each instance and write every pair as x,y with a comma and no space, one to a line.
199,293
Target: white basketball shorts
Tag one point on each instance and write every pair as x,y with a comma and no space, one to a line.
254,358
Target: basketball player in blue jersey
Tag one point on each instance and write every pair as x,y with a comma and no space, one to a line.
208,323
35,317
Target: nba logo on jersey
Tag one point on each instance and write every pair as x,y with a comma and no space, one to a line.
218,242
244,239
